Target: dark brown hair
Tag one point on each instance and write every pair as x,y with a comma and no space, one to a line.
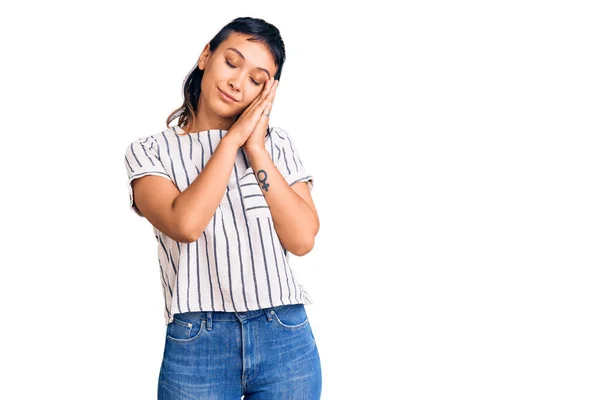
260,31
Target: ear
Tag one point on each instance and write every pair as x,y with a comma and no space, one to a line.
204,56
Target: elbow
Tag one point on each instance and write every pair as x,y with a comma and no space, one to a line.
304,249
187,234
186,237
190,239
305,246
191,235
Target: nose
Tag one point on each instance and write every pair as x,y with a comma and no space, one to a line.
235,82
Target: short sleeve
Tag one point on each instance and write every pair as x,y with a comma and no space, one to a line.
141,159
288,159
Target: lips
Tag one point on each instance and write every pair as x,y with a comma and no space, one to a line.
227,95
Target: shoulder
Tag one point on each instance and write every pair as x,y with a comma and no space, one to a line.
147,142
141,141
278,134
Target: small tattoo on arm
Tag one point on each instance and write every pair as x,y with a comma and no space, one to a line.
263,180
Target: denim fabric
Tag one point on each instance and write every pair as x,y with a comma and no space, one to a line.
263,354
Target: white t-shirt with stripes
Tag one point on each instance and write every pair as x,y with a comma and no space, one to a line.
238,263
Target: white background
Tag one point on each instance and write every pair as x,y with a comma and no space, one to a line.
455,156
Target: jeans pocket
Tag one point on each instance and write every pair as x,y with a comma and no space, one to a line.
183,329
291,316
253,198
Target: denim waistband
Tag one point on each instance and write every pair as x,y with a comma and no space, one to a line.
210,316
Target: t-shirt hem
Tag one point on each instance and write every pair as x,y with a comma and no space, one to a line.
306,301
300,176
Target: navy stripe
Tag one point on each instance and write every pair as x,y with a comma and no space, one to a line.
215,239
212,297
249,237
252,208
276,263
198,289
237,234
262,246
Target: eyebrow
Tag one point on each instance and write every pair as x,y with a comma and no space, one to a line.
241,55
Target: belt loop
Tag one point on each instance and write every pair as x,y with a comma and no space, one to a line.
209,320
269,312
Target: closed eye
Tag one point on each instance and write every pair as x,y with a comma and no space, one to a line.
233,66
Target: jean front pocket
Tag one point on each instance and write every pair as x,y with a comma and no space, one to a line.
291,316
255,204
184,329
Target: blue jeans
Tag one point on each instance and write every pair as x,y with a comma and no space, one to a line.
263,354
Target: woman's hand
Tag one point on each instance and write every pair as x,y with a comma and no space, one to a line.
257,137
248,120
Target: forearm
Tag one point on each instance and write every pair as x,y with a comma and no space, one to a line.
196,205
294,220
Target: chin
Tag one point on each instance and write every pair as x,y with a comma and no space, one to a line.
229,112
226,114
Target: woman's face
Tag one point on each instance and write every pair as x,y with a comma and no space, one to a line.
234,75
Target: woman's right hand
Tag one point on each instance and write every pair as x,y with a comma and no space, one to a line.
241,130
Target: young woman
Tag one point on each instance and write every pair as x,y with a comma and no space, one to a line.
229,199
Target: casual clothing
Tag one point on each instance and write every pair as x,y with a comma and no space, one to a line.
261,354
238,264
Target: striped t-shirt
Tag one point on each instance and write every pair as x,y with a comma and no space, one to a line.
238,263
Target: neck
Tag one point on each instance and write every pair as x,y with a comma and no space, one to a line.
205,120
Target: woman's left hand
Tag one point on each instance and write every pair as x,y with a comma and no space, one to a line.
256,140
